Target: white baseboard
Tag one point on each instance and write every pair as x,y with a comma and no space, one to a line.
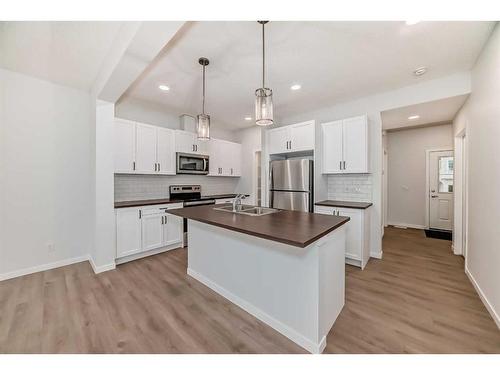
103,268
259,314
406,225
487,304
376,254
43,267
148,253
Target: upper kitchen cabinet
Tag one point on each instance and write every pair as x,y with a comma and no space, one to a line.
124,146
187,142
291,138
143,149
225,158
345,146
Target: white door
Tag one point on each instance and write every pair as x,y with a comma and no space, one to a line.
165,149
236,159
184,142
277,140
355,145
152,231
128,231
173,229
441,165
332,147
302,136
145,153
354,235
124,146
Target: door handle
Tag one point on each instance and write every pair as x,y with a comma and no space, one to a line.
159,167
162,220
133,165
344,164
434,196
290,144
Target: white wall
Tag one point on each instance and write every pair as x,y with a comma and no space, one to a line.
456,84
480,116
407,171
45,172
250,139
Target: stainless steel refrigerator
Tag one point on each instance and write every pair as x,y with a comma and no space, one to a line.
291,184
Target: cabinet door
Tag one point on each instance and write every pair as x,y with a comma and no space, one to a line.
332,147
355,146
214,157
184,142
145,152
172,230
236,159
354,233
201,146
277,140
152,232
165,150
128,232
302,136
124,146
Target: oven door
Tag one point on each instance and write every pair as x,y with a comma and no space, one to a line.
192,164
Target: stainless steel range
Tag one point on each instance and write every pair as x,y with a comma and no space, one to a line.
191,196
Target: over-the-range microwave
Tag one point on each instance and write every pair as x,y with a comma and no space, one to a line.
192,163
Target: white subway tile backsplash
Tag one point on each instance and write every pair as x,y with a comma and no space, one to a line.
137,187
355,187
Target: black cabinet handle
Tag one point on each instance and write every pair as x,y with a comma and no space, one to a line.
133,165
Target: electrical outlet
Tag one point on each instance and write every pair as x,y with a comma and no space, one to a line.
51,247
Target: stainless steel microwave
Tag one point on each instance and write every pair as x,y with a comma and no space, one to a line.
192,163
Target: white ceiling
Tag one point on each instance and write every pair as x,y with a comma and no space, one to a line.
333,61
67,53
438,111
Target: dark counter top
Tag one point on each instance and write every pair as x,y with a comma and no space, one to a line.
290,227
151,202
145,202
345,204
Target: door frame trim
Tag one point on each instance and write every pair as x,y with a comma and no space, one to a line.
427,182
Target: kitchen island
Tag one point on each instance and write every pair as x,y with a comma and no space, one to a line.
285,268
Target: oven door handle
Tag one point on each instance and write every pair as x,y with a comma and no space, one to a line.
204,164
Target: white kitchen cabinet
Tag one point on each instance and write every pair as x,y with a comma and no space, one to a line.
345,146
291,138
173,230
165,151
152,229
128,231
357,232
188,143
225,158
147,228
124,146
145,151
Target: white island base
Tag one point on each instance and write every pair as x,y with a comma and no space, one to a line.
297,291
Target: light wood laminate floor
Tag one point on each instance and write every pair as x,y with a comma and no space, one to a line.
416,300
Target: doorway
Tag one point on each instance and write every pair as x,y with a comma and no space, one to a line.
440,190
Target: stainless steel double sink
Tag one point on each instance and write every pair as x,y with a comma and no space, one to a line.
244,209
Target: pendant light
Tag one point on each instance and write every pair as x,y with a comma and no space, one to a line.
264,95
203,120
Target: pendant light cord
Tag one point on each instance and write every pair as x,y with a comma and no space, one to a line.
203,105
263,57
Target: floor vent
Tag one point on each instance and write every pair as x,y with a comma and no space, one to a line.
440,234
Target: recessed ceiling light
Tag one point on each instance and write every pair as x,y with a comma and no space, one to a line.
164,87
411,22
420,71
295,87
413,117
248,118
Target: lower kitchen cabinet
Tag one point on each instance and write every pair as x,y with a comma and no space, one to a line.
357,248
128,231
143,229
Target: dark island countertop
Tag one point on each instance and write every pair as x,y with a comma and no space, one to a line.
151,202
345,204
290,227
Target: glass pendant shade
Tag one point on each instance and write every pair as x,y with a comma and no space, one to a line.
264,107
203,126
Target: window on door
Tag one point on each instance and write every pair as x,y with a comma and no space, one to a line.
445,175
